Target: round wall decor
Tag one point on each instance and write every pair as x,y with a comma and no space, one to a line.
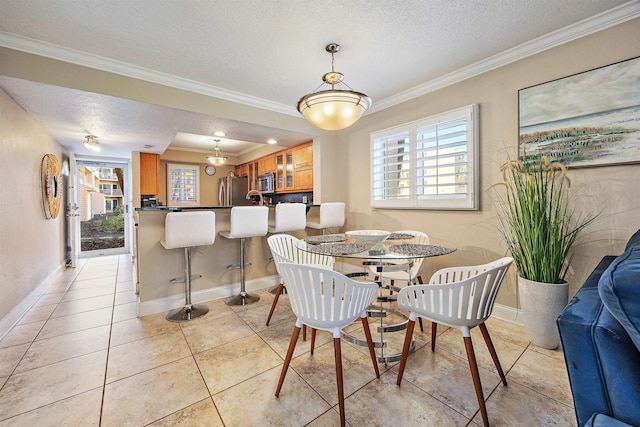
51,185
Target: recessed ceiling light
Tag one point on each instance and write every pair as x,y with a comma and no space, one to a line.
219,133
147,146
272,141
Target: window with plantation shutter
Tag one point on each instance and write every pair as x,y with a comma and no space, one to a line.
427,164
183,185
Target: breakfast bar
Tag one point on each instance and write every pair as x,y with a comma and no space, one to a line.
157,265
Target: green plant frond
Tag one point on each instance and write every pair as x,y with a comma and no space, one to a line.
535,219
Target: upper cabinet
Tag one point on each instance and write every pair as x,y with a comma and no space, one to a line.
303,167
303,156
284,171
149,173
293,168
242,170
267,164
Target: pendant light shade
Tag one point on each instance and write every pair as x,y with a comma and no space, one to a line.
217,158
90,143
333,109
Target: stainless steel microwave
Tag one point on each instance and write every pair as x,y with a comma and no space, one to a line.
267,183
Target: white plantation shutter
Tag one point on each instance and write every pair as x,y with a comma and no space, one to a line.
427,164
183,185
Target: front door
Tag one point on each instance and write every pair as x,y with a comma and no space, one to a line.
103,217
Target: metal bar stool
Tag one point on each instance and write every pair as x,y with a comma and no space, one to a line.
289,217
246,221
331,215
186,230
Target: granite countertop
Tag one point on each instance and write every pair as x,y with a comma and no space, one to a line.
192,208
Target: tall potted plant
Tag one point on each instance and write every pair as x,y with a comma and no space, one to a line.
539,228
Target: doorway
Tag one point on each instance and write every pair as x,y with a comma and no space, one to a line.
103,217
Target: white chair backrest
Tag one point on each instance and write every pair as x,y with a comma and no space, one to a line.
284,248
325,299
249,221
289,217
457,296
420,239
331,214
185,229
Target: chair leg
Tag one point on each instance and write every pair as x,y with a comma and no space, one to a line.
473,365
287,359
492,350
338,356
275,301
434,334
405,349
313,339
391,283
372,352
420,318
304,332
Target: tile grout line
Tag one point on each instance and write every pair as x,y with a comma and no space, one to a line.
106,363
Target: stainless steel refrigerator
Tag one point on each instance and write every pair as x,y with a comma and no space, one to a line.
232,191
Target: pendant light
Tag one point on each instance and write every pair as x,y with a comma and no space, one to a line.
217,159
333,109
91,144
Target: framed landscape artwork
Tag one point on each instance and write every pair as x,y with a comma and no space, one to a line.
587,119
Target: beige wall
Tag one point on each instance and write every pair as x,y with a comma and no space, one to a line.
31,247
341,158
615,190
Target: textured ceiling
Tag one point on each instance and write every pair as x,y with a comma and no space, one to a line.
271,52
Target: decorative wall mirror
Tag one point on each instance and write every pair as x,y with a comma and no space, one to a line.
51,185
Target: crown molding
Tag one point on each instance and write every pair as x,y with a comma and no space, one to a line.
53,51
580,29
615,16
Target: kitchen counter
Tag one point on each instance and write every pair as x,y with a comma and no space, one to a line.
195,208
156,265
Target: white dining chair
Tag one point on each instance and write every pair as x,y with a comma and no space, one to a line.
284,248
327,300
461,298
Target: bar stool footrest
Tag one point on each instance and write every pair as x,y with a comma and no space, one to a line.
246,264
181,278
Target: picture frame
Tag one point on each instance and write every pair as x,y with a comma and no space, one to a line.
584,120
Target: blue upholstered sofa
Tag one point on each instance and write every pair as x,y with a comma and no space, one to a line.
600,334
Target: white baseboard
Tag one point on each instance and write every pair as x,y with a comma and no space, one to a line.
510,314
14,316
174,301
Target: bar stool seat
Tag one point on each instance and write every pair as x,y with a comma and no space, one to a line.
186,230
331,216
289,217
246,221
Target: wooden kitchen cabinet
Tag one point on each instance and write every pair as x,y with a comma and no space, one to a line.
242,170
149,173
284,171
303,167
267,164
303,156
303,179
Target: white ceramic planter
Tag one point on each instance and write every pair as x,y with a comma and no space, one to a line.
541,305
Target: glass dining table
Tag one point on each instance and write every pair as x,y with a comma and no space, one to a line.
397,252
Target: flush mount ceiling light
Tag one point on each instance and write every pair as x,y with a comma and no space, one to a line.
217,159
333,109
91,143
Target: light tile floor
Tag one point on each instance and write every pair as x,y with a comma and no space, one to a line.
80,356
